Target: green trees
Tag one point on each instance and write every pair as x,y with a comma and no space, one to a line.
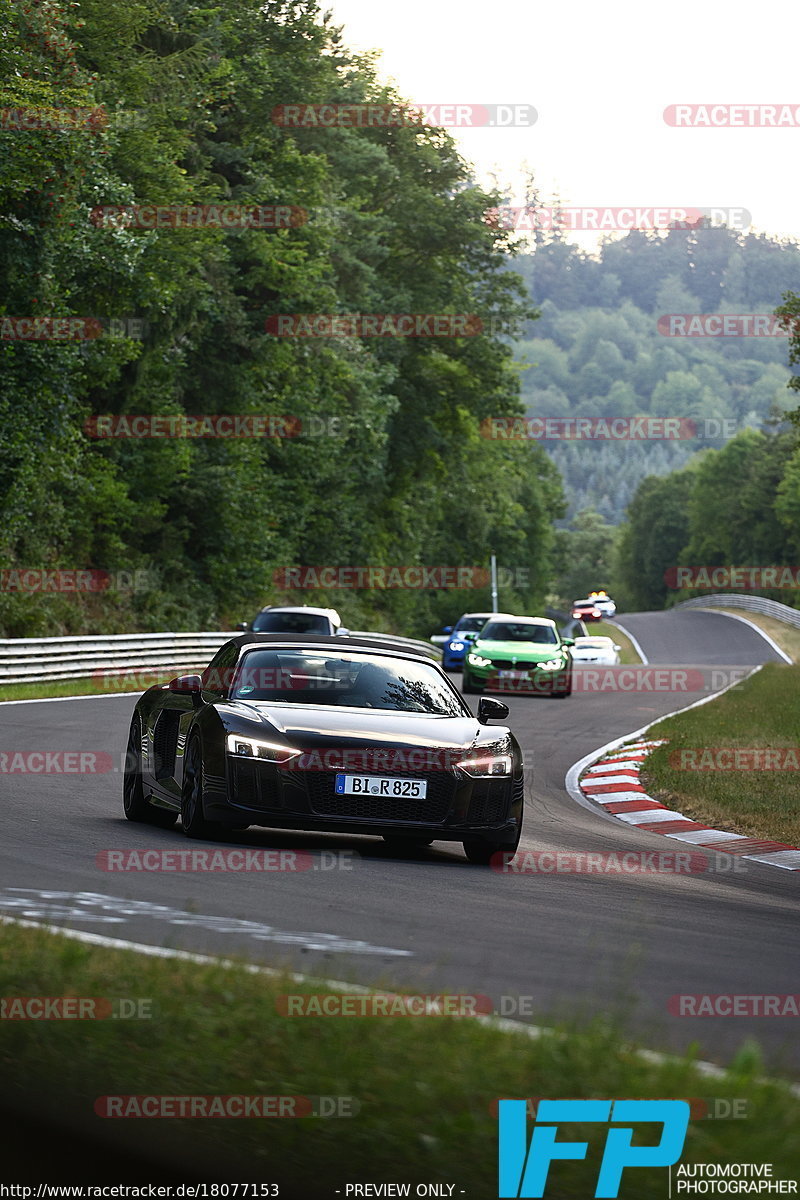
734,507
390,467
600,351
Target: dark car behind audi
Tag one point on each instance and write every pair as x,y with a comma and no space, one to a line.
325,733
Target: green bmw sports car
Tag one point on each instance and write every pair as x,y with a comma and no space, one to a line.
526,655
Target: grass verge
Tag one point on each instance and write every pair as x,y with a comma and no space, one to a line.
627,654
424,1088
133,681
761,712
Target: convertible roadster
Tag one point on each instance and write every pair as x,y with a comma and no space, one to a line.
325,733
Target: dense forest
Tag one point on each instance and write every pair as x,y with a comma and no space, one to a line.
173,104
370,450
598,349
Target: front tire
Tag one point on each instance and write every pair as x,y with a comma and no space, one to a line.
565,691
136,807
481,852
193,818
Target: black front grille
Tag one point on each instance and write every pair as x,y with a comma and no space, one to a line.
505,664
431,810
489,803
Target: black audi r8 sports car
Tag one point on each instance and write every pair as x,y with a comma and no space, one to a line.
325,733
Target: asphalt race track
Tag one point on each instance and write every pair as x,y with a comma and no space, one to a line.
576,944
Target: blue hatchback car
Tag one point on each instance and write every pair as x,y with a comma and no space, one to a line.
465,630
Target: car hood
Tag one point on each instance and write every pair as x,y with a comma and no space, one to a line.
522,651
310,725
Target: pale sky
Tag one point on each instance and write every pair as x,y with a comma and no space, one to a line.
600,76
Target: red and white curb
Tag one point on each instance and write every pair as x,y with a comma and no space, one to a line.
613,782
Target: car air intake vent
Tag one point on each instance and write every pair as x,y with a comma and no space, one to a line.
251,789
489,803
165,741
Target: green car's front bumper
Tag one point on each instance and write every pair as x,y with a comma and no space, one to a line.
483,672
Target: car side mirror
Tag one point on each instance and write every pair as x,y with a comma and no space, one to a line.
243,625
491,710
616,647
568,641
447,629
342,632
186,685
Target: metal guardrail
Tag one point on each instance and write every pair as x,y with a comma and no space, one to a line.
26,660
30,660
756,604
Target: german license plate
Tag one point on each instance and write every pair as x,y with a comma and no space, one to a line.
380,785
519,676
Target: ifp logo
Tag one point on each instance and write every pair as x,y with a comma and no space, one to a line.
524,1179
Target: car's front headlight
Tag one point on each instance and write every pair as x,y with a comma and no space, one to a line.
486,766
457,646
552,664
477,660
246,747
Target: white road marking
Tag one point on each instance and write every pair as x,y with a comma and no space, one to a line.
97,908
788,859
604,779
650,816
612,797
705,835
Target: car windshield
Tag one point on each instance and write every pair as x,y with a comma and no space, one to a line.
470,624
355,681
519,631
291,622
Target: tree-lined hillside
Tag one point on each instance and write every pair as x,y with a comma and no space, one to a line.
394,225
598,350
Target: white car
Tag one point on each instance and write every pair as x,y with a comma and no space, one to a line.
604,602
299,618
596,650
